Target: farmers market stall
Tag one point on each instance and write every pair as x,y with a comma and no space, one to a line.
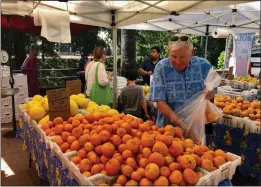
238,129
89,148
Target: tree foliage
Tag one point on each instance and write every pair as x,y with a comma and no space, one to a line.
147,39
85,43
221,59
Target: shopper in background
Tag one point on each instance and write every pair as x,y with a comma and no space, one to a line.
81,69
147,67
177,79
31,69
95,70
132,99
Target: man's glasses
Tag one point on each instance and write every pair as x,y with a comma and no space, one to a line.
181,38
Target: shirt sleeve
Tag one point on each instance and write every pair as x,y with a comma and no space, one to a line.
157,87
206,66
142,65
102,75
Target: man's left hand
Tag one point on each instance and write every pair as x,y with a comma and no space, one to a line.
210,95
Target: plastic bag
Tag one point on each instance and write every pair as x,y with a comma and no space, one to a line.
198,111
99,179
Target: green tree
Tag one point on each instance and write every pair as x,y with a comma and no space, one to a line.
148,39
221,59
215,47
87,41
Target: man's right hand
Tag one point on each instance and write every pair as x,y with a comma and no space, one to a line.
149,72
176,120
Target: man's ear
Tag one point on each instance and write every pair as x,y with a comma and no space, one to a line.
193,52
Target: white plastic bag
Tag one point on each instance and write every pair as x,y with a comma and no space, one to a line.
197,111
99,179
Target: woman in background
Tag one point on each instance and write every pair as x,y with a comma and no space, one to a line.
99,58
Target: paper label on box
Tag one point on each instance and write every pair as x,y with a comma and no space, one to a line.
74,86
59,103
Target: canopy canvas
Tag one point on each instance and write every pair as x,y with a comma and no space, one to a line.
241,18
113,14
99,13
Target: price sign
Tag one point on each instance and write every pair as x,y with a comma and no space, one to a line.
73,87
59,103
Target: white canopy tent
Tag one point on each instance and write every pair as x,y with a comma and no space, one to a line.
240,18
114,14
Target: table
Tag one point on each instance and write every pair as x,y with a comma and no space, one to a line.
240,142
49,166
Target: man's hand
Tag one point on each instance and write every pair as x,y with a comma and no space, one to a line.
210,95
176,120
149,72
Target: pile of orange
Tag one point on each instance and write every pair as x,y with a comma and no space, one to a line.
138,152
238,107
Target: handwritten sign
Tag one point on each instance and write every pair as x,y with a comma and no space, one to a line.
59,103
73,87
243,48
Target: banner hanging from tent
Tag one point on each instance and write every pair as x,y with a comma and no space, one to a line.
242,51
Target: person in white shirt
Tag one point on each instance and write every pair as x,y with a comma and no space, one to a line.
90,70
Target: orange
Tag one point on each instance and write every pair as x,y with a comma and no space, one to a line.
96,168
77,132
165,171
161,181
157,158
152,171
82,153
108,149
190,176
88,146
116,140
136,176
131,162
75,145
126,170
76,159
95,139
113,167
175,177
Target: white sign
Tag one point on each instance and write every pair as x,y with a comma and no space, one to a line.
4,57
243,48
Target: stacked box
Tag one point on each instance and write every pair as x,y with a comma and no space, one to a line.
6,108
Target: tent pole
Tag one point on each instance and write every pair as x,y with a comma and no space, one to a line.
114,46
225,57
206,43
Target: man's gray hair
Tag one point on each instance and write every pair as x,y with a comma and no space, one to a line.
174,45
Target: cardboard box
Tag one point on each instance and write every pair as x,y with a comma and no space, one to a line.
59,103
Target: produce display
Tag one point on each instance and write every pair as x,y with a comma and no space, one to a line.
137,152
146,90
238,107
248,79
37,108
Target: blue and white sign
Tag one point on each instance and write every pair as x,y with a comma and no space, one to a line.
243,48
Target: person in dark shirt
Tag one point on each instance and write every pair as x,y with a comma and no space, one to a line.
147,67
132,99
